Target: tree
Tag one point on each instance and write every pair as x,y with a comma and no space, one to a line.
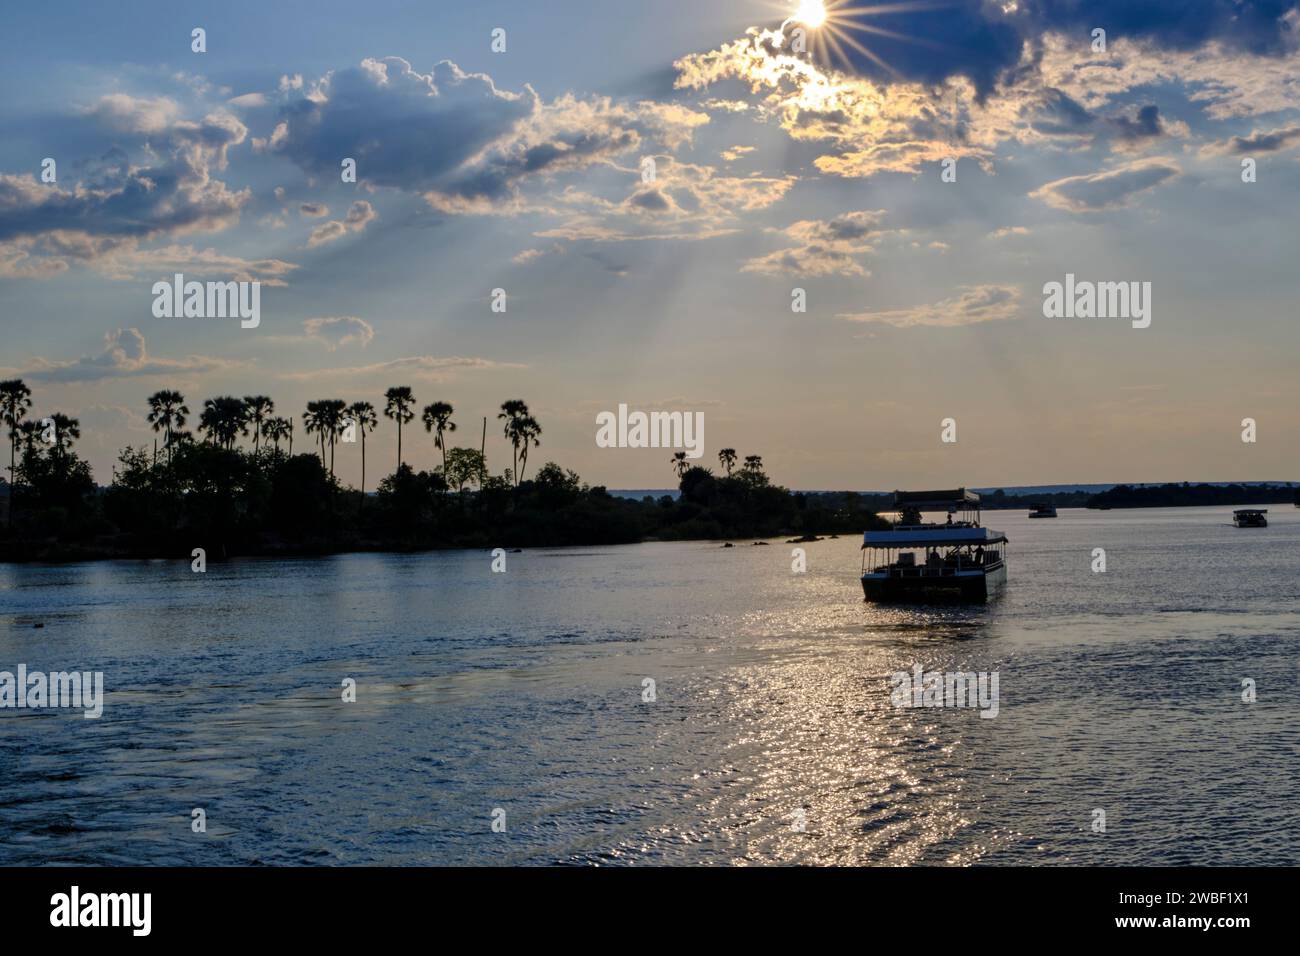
464,465
313,421
331,414
66,431
752,473
529,431
437,419
520,428
277,429
397,406
363,413
15,400
680,464
258,408
167,411
224,419
727,459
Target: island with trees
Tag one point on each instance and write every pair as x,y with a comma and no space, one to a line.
247,481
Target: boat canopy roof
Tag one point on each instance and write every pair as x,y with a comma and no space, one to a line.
936,500
940,536
1251,511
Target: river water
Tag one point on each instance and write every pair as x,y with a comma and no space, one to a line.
519,698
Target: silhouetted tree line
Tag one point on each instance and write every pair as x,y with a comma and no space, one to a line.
1187,494
207,491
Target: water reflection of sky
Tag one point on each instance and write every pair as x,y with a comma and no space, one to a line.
524,691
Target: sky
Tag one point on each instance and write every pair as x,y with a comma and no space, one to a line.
649,183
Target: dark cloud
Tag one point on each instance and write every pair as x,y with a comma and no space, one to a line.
405,129
116,203
1059,115
928,42
925,42
1145,125
1256,26
1261,142
453,136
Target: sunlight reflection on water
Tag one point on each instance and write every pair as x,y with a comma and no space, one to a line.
523,691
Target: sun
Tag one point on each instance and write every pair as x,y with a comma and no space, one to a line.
811,13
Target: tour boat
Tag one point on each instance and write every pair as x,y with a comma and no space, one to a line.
1250,518
1043,511
929,563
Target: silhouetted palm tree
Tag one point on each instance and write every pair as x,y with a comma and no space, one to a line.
529,431
680,464
332,412
313,421
66,431
727,459
398,403
167,411
363,413
437,419
754,464
29,432
520,428
224,419
15,400
258,408
276,430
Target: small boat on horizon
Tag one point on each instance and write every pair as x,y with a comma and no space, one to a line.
1250,518
929,563
1043,511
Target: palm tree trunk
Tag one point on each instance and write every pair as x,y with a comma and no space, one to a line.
363,467
13,444
399,442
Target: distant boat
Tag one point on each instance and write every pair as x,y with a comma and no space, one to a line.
930,563
1250,518
1043,511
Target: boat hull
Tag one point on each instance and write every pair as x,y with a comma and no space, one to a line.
955,589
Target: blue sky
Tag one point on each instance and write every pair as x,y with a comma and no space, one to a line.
774,170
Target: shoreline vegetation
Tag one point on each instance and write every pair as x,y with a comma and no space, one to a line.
239,489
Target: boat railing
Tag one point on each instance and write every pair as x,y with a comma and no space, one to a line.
933,526
936,571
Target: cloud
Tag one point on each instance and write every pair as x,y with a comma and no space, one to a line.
415,366
1110,189
455,138
119,203
981,303
168,260
686,201
1257,142
313,209
359,215
120,113
124,356
825,247
1007,231
336,332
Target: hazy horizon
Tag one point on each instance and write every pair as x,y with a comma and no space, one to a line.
525,170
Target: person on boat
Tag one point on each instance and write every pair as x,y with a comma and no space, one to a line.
950,519
979,554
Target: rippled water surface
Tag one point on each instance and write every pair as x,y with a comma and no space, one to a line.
523,691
